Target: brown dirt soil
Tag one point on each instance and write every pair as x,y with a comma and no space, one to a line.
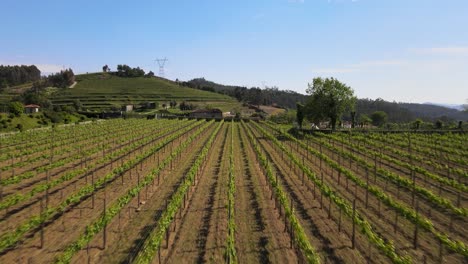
14,215
126,234
67,227
377,213
440,217
333,246
200,234
260,232
199,231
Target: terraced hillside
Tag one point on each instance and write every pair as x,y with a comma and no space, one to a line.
9,93
100,92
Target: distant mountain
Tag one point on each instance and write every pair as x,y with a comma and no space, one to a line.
452,106
407,112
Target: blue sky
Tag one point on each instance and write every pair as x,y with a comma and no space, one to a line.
402,50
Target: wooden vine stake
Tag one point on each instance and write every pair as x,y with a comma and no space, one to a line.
138,184
48,179
339,220
42,224
416,227
321,156
353,237
395,223
441,252
92,195
413,176
375,168
104,235
290,227
321,193
1,187
302,170
367,187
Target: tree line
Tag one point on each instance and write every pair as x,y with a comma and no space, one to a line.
15,75
253,95
331,101
124,70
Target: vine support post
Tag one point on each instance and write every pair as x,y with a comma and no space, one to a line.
375,168
302,170
339,221
87,253
321,193
451,223
314,189
138,184
398,189
47,189
92,195
367,187
413,176
1,187
395,223
104,235
291,232
353,236
159,255
42,224
441,252
320,156
416,227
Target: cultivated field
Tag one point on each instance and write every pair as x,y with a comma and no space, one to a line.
97,91
188,191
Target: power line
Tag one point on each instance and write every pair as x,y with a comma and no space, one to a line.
161,63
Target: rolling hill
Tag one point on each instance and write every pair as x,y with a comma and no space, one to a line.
98,92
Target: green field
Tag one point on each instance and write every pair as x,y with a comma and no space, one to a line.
9,93
99,91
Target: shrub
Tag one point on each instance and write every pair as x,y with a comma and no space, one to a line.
16,108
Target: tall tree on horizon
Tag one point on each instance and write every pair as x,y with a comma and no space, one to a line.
328,100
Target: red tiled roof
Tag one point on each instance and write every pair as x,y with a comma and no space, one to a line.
32,106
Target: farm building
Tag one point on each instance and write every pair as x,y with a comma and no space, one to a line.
229,115
31,108
127,108
207,113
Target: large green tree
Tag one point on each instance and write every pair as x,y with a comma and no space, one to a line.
379,118
365,120
328,100
16,108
